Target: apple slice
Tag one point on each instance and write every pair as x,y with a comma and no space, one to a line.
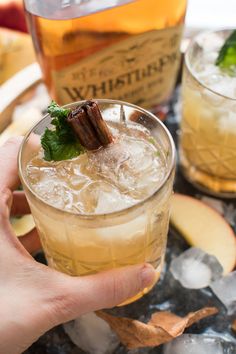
12,15
25,121
205,228
22,225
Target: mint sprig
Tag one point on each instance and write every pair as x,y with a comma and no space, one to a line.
60,143
226,59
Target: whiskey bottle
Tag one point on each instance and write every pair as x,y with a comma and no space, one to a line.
120,49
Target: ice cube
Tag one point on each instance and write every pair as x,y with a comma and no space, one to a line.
133,165
106,162
225,290
112,201
199,344
103,197
211,98
195,269
225,86
92,334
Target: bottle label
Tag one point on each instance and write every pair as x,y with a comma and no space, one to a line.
141,69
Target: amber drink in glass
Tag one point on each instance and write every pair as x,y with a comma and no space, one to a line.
208,127
108,208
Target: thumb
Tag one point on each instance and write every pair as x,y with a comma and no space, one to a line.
103,290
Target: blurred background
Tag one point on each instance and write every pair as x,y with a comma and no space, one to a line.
201,14
16,50
211,14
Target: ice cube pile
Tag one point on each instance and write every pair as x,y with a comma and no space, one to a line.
195,269
209,73
92,334
199,344
225,289
217,97
107,180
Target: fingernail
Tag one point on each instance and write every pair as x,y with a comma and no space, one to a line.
147,275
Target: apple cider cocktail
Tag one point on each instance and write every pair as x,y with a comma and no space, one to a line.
208,127
99,186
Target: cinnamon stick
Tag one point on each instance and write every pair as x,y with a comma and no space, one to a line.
89,126
83,129
99,124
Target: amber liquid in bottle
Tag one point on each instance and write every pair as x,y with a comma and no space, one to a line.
128,52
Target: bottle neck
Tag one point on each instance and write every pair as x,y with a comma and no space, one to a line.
66,9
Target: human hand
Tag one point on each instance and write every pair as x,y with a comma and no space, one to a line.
34,297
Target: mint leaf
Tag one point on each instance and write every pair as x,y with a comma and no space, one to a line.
227,55
55,149
55,110
60,143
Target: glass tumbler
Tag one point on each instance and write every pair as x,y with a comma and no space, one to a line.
83,244
208,126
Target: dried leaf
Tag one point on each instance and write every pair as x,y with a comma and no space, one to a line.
162,327
234,326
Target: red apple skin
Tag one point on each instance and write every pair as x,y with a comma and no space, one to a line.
12,16
231,234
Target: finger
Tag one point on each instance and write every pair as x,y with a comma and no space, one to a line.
31,241
5,204
20,205
104,290
8,163
8,240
